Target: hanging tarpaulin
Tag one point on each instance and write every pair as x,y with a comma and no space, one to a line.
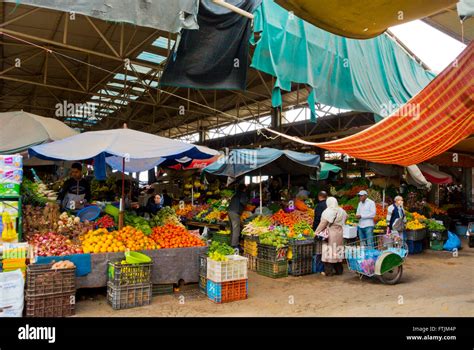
434,175
465,9
216,55
374,75
327,169
429,124
170,16
416,178
362,19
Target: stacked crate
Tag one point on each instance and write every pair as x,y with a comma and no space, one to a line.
250,252
272,261
318,265
227,280
203,273
129,285
50,293
300,254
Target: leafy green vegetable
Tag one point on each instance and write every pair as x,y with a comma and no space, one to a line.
221,248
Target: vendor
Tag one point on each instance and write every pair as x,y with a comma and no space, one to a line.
76,191
302,193
274,189
154,204
166,199
236,208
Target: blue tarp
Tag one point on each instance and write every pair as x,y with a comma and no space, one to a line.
371,75
82,262
265,161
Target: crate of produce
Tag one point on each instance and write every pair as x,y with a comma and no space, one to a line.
203,264
272,253
51,305
436,244
128,296
42,280
415,235
222,238
250,247
203,284
162,289
300,249
235,268
318,265
273,269
300,267
251,262
414,247
120,274
225,292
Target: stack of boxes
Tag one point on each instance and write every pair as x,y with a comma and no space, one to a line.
272,261
250,248
203,273
50,293
300,255
129,285
14,257
227,280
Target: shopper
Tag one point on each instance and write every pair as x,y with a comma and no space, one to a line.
275,190
333,218
302,193
76,191
396,217
366,212
319,208
236,207
154,204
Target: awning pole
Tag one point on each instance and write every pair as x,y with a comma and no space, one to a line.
261,192
233,8
122,200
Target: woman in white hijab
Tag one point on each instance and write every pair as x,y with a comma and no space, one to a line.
334,219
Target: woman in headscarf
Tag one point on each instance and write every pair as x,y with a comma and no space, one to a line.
334,219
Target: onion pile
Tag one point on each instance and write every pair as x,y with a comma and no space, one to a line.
53,244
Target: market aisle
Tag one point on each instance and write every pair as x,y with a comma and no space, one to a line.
434,284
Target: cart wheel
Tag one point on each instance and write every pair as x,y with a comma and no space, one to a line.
393,276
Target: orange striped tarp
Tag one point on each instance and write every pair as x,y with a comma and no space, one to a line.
434,120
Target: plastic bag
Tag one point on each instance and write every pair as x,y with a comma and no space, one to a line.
452,243
11,294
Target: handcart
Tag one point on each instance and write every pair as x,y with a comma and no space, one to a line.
382,256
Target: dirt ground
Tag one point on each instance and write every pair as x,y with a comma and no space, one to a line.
433,284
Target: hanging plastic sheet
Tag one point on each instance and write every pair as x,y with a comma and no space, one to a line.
374,75
465,9
362,19
215,56
170,16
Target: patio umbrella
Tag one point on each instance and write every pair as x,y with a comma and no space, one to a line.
124,149
20,130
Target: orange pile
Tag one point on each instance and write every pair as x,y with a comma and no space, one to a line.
172,236
284,219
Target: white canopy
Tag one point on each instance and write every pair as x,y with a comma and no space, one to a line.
20,130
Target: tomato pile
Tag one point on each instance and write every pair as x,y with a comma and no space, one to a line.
172,236
105,222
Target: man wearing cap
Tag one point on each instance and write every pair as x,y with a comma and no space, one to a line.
366,212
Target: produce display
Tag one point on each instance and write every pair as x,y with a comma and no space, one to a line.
273,238
138,222
35,193
415,225
282,218
432,225
53,244
128,238
257,226
173,236
65,264
105,222
71,225
218,251
165,216
40,219
301,231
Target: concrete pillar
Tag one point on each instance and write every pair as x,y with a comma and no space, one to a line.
467,179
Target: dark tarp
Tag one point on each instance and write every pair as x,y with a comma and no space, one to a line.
216,55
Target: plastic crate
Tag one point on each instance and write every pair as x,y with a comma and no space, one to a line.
414,247
301,249
436,245
217,237
318,265
273,269
42,280
128,296
203,264
235,268
53,305
250,247
271,253
203,284
128,274
415,235
318,246
300,267
251,262
227,291
162,289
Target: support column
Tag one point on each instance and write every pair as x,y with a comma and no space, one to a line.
467,179
276,118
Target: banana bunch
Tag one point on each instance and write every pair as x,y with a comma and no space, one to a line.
9,233
216,256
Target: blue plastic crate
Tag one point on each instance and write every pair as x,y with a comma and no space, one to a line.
414,247
227,291
318,265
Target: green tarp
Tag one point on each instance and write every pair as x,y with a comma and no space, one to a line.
373,75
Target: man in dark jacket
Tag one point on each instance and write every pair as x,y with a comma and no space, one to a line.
236,207
319,208
76,191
